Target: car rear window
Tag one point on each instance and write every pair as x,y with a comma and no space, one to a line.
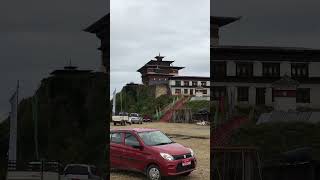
116,137
79,170
134,115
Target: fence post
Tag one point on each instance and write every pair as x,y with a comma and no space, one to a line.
42,167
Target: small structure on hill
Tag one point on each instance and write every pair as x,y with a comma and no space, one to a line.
158,71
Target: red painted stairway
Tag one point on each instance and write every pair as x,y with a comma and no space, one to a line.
222,133
178,105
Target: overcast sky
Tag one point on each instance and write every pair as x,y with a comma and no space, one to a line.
140,29
38,36
270,22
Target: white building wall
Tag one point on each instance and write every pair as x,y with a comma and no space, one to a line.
252,95
183,87
314,69
172,83
257,68
231,68
285,68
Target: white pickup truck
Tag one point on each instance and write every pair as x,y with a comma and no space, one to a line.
121,119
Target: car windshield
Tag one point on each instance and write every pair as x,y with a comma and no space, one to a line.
134,115
155,138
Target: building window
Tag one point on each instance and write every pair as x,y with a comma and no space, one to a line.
303,95
205,91
271,69
218,91
243,93
244,69
299,70
178,91
191,91
203,83
186,83
178,83
194,83
219,69
185,91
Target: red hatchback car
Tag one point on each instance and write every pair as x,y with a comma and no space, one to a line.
151,152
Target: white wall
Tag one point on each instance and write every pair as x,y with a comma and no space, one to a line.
314,69
231,68
252,95
285,68
172,82
257,68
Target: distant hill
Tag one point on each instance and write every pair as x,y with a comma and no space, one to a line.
141,99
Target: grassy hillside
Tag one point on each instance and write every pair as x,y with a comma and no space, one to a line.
140,99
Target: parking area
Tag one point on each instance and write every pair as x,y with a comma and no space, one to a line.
189,135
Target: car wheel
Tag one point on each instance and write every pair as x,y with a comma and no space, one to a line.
186,174
153,173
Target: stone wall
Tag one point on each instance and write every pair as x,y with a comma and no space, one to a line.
161,89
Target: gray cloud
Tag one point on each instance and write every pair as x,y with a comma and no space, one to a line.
39,36
270,22
140,29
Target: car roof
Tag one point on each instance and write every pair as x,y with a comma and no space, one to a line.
133,130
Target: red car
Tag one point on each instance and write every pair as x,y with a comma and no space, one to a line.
151,152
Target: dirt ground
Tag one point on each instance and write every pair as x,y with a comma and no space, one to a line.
189,135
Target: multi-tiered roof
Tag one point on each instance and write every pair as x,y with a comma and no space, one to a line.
158,71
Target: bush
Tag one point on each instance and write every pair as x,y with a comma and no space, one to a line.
275,138
195,106
140,99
